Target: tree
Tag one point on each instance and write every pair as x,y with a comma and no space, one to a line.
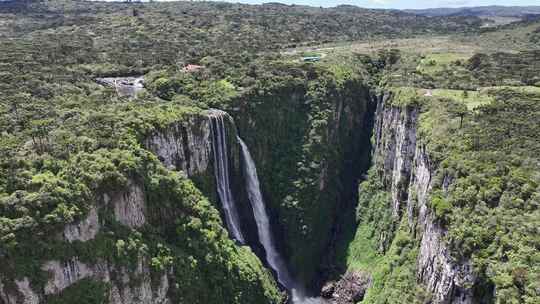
458,109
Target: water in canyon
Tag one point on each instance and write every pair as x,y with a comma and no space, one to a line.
264,231
221,171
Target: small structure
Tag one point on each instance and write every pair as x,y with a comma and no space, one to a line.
190,68
311,59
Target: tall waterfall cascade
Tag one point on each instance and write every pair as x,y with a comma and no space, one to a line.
264,231
253,189
221,171
263,220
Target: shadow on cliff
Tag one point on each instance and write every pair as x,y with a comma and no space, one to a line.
335,263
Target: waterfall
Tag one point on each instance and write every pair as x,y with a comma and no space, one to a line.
221,171
265,233
262,220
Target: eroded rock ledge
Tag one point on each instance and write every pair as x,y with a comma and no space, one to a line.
350,289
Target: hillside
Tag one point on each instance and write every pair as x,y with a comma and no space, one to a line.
492,15
479,11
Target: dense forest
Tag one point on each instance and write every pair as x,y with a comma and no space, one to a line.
396,154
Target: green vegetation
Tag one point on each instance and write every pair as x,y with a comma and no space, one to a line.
495,179
434,63
59,156
199,235
69,144
472,99
485,192
361,253
290,123
406,96
74,40
383,248
86,291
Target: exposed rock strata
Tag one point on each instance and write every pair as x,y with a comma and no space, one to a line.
129,206
395,131
127,286
350,289
407,172
85,229
184,146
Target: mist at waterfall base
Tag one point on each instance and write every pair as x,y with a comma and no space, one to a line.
264,232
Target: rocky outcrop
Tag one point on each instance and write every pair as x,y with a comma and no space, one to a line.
85,229
20,293
184,146
122,225
449,281
395,142
143,293
187,146
350,289
405,166
129,206
64,274
128,286
124,86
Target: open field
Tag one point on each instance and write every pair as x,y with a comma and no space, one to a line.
509,38
437,62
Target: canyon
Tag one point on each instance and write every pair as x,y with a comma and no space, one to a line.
219,153
206,148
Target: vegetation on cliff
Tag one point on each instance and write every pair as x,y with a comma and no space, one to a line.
306,134
483,154
54,171
69,144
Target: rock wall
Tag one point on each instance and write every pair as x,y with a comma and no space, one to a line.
183,146
147,233
124,288
128,207
84,230
395,140
186,146
309,153
21,293
404,165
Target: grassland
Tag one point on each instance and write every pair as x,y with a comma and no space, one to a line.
472,99
438,62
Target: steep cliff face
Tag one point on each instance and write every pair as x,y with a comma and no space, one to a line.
310,142
403,166
127,285
186,146
395,141
148,237
449,281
